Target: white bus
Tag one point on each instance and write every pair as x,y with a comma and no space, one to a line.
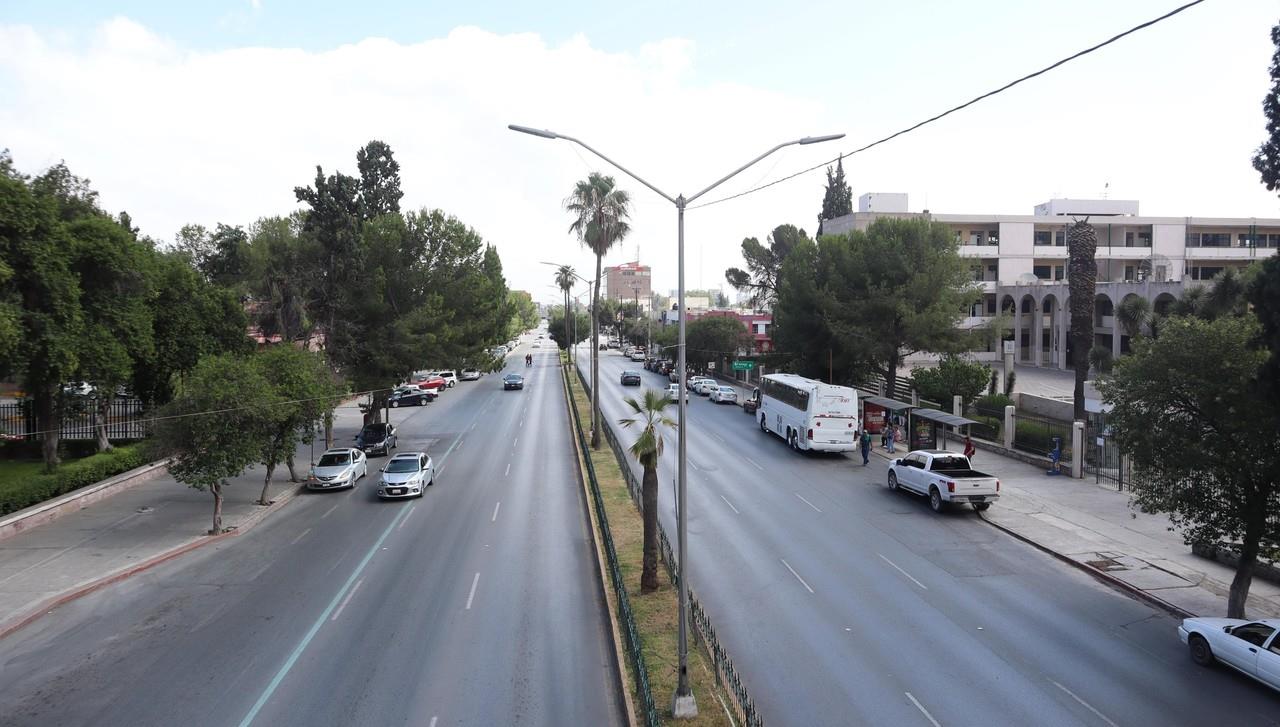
809,414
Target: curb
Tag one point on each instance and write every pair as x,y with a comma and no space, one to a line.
50,510
1106,578
62,599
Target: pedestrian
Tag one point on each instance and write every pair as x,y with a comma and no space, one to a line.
884,433
865,439
969,449
893,431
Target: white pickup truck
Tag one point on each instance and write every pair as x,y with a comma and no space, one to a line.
946,477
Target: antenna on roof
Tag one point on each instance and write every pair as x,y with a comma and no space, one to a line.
1106,190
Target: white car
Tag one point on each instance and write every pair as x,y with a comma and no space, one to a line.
1249,647
703,387
673,393
407,474
720,393
338,468
692,382
537,345
450,376
470,375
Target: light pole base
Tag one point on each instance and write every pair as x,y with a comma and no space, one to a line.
685,707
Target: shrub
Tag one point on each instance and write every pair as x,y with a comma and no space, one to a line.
70,476
992,405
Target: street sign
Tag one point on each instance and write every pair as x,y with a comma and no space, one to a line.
743,365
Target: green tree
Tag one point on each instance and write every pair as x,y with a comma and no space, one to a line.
1264,297
764,264
1203,447
1267,159
713,338
600,211
1101,359
837,200
953,376
217,425
648,414
281,269
563,328
1082,279
305,390
1134,315
379,180
564,280
800,327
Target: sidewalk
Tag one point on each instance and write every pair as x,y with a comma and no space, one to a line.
1093,526
133,530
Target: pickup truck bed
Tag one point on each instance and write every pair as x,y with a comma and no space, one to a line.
949,484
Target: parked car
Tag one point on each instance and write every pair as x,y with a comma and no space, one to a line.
410,396
470,375
1250,647
700,386
720,393
673,376
512,381
77,388
637,355
946,477
434,382
407,474
450,377
691,383
666,368
338,468
377,438
673,392
631,378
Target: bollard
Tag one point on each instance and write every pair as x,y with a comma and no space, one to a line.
1008,426
1077,449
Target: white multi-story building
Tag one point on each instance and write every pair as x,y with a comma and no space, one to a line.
1020,262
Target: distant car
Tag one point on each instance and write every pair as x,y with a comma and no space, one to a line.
673,393
77,388
695,382
637,355
433,382
537,345
377,438
631,378
512,381
410,396
470,375
338,468
721,393
540,336
407,474
450,377
1250,647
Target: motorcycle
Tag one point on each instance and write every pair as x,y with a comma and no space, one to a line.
528,360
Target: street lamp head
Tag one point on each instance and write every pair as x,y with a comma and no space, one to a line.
535,132
814,139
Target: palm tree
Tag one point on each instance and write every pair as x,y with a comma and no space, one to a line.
600,213
1133,314
564,278
1190,303
1226,296
646,449
1082,279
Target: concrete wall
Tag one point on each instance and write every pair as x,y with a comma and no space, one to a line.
1044,406
1170,241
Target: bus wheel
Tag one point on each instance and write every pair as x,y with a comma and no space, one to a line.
763,426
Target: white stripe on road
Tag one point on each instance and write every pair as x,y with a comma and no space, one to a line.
514,442
407,515
730,504
717,436
495,512
301,535
474,582
895,565
797,575
347,600
1085,704
508,472
923,711
810,504
330,510
753,463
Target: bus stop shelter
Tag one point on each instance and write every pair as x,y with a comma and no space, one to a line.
876,410
924,426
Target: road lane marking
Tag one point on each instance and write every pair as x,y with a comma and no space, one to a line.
1085,704
923,711
494,519
895,565
350,595
301,535
730,504
508,472
407,515
797,575
810,504
474,582
717,436
315,627
330,510
514,441
753,463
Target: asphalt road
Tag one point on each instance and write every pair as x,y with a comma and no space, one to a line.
843,603
478,604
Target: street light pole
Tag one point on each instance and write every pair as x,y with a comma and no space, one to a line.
683,703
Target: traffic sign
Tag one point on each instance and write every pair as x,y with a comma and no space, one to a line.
743,365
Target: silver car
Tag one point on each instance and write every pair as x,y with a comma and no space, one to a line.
407,474
338,468
721,393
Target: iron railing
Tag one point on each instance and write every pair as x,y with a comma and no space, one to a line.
1035,434
726,675
125,419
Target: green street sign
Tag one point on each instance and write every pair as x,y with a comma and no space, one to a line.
743,365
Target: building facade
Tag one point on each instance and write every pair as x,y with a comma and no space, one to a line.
758,326
629,282
1020,263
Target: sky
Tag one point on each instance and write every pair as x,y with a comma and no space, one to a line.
214,113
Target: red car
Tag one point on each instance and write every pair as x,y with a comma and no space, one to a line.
434,383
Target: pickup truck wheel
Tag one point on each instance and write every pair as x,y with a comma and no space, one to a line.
981,506
1200,651
935,500
893,481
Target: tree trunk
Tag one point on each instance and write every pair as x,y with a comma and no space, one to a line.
595,359
293,475
216,489
328,430
262,499
891,375
101,412
1082,279
649,501
49,421
1239,593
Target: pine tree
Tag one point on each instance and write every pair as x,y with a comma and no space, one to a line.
1267,159
838,198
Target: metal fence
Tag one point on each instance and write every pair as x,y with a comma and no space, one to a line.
1102,456
1035,434
990,421
125,419
725,673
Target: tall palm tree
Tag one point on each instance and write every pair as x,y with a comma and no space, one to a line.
1082,283
646,449
564,278
1133,314
600,211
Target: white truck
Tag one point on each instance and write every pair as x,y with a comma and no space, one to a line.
946,477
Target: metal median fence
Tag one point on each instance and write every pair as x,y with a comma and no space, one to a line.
726,675
125,420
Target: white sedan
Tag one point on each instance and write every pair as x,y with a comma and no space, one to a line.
673,393
338,468
721,393
693,382
1249,647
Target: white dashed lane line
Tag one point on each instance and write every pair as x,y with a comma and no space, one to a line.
301,535
899,569
753,463
730,504
923,711
346,600
797,575
810,504
494,519
1085,704
474,582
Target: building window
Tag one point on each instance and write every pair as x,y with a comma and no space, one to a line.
1199,272
1060,238
1044,237
1042,271
1208,239
1137,239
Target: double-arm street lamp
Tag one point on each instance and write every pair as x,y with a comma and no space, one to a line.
683,704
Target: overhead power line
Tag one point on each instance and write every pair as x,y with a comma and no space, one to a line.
954,109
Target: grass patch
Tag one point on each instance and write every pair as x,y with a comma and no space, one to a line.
656,614
23,483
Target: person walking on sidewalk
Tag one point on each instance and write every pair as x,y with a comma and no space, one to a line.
865,440
893,431
969,449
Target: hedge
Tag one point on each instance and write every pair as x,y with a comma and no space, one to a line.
28,491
